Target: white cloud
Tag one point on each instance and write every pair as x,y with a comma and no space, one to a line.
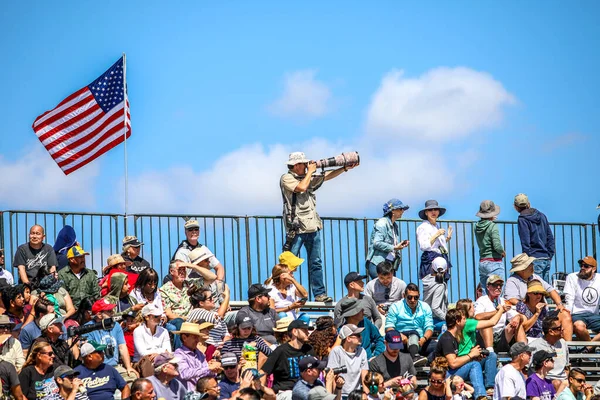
303,97
442,104
34,181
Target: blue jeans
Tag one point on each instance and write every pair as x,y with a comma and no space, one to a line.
487,268
490,369
175,325
542,268
471,371
372,270
312,244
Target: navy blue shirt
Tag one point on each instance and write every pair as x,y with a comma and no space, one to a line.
101,383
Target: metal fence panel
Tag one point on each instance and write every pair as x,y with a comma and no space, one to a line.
249,246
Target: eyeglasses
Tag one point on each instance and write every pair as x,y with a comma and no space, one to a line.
48,353
557,328
193,230
437,381
413,297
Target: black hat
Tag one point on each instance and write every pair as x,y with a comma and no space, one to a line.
353,277
311,362
299,324
243,321
256,290
540,356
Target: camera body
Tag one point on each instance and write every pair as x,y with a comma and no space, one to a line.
337,370
484,352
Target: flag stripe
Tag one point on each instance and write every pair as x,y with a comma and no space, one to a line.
103,150
108,136
69,126
53,115
60,105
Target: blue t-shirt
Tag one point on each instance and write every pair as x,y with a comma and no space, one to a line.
28,334
112,339
227,388
538,387
101,383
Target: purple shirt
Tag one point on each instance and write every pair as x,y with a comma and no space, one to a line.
538,387
192,366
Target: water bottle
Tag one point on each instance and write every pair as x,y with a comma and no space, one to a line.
444,329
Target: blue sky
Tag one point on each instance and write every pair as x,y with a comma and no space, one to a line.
455,101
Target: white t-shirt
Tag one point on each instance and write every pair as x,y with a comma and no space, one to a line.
581,295
425,232
484,304
509,383
281,301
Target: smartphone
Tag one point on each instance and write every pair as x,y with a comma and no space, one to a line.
303,300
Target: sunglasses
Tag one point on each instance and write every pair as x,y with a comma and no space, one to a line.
193,230
496,285
584,265
5,327
437,381
413,297
229,366
580,380
48,353
556,328
387,292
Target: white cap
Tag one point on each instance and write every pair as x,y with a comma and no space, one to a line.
439,264
49,319
151,309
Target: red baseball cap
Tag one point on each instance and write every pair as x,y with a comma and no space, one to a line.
102,305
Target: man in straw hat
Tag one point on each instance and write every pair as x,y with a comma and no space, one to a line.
536,236
192,362
516,289
182,253
80,281
298,188
582,298
487,235
131,252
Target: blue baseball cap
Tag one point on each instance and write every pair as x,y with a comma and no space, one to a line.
394,340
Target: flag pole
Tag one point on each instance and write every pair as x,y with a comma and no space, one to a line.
125,138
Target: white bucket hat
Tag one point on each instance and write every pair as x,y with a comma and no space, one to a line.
297,158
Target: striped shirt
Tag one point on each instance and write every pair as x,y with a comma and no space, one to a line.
218,333
235,345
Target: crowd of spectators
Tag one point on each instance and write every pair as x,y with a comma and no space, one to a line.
70,332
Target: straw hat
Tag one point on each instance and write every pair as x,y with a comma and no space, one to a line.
282,324
114,260
521,262
535,286
190,328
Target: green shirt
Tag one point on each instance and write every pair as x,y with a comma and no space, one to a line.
80,288
469,337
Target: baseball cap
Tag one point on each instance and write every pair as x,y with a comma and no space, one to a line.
394,340
192,223
299,324
439,264
540,356
132,241
102,305
64,370
519,348
151,309
311,362
228,359
353,277
49,319
91,347
76,251
320,393
349,330
243,321
589,261
521,200
165,358
493,279
256,290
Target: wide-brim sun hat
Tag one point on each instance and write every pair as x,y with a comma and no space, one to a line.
282,324
297,157
189,328
487,209
431,205
536,286
521,262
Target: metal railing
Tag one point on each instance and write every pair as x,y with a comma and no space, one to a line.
249,246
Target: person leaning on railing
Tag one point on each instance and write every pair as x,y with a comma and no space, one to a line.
433,240
33,255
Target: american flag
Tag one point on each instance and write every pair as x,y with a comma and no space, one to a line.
88,123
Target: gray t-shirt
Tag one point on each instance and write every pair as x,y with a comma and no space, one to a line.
34,259
560,361
175,390
369,307
264,322
384,294
516,287
355,363
402,367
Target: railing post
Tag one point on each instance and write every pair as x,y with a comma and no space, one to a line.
248,257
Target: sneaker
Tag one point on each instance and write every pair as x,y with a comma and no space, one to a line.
419,361
489,392
324,298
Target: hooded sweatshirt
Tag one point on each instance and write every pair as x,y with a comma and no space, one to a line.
116,284
488,240
536,236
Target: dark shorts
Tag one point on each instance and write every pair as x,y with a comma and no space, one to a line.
592,321
500,342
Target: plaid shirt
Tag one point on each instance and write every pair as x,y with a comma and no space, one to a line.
79,289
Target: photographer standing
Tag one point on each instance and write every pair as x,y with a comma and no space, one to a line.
302,223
